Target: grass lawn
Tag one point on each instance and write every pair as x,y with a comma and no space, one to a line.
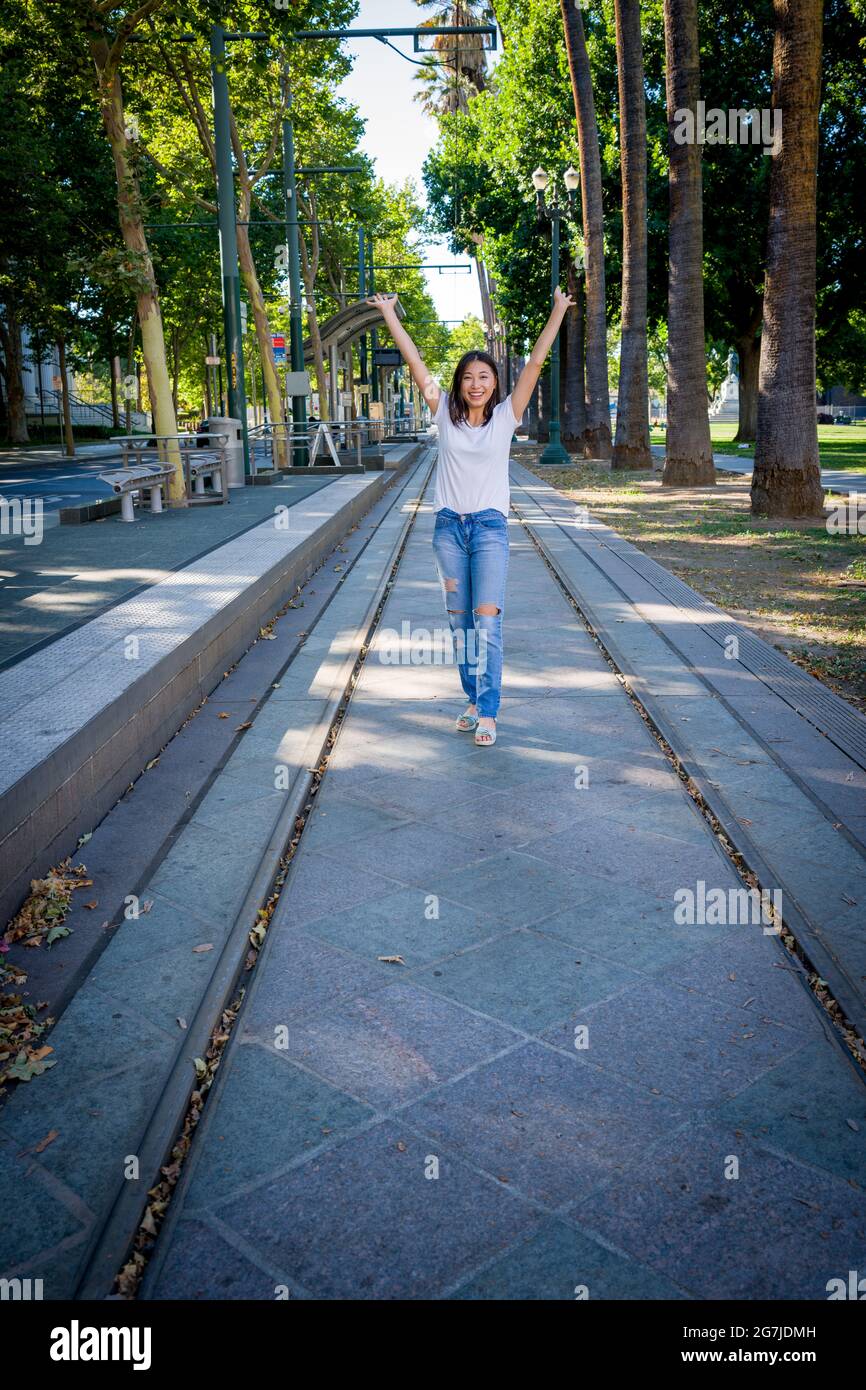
840,446
792,583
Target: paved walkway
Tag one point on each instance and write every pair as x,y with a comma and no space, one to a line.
780,759
834,479
550,1081
77,572
200,860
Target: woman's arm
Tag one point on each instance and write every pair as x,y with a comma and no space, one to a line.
528,379
411,356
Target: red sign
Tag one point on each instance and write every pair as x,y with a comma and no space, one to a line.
279,342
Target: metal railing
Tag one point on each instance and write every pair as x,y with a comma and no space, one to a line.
202,456
335,442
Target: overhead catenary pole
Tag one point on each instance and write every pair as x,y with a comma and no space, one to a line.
290,194
362,292
374,336
226,214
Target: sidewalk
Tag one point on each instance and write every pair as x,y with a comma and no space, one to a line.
549,1083
126,1044
833,479
79,571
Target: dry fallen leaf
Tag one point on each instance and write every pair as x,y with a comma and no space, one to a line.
241,727
207,946
223,715
391,960
53,1133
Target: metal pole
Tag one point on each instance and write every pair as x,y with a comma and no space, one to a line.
226,214
374,336
554,453
296,329
362,292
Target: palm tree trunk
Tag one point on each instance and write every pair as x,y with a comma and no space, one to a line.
749,352
543,433
632,445
597,443
574,402
787,478
689,451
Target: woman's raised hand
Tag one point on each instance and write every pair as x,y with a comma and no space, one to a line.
561,300
382,302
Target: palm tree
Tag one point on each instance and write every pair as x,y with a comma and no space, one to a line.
787,479
597,434
632,445
689,451
456,68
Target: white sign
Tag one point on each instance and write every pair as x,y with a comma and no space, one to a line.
297,383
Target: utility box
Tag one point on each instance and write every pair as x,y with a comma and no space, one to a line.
225,424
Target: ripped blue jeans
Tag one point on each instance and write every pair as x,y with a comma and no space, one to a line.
471,548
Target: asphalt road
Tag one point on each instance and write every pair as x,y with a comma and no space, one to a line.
59,482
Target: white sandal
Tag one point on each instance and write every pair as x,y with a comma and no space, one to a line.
485,738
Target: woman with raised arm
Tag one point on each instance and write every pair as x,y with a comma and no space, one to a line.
470,537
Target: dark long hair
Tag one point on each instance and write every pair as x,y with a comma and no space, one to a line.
456,404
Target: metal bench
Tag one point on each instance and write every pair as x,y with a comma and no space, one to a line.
197,470
125,482
202,456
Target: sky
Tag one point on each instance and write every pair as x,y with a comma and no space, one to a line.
399,135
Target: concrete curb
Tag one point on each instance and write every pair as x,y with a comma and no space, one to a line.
113,1237
44,814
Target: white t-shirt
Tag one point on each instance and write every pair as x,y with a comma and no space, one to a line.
472,468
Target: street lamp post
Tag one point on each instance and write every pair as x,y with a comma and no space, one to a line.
226,214
555,453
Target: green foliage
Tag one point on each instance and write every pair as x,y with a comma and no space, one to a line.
478,184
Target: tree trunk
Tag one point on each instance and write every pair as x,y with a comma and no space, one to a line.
113,370
544,407
274,396
10,338
574,402
749,352
68,437
688,450
786,480
632,445
175,365
486,305
322,378
597,443
147,299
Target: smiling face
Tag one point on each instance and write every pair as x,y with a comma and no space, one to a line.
477,385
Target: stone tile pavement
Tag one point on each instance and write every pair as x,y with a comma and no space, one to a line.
482,1057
